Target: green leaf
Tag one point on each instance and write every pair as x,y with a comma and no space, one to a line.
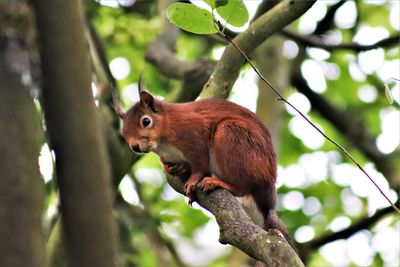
234,12
191,18
219,3
216,3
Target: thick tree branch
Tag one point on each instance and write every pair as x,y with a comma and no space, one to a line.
83,171
264,7
315,41
228,67
119,153
237,229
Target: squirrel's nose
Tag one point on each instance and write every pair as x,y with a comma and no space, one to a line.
136,148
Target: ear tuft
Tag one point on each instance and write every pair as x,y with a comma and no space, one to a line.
147,100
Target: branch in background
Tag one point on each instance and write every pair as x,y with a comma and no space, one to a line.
229,65
237,229
315,41
99,58
160,53
120,155
327,22
363,223
354,130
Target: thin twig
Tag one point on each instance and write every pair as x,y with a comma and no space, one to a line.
282,98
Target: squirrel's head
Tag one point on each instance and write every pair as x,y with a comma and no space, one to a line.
143,123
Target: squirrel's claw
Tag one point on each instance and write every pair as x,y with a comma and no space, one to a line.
190,201
189,190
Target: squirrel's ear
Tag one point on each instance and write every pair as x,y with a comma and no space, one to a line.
147,100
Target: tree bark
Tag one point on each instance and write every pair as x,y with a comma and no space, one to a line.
21,187
83,170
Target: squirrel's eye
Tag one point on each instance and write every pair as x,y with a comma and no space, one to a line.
146,121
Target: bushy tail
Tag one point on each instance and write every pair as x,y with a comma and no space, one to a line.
271,221
266,203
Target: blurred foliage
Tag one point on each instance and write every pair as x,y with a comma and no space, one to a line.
126,33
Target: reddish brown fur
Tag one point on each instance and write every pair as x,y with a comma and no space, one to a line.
222,141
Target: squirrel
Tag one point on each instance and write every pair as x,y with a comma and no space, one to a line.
211,144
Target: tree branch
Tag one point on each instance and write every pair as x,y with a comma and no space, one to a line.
229,65
363,223
315,41
237,229
326,23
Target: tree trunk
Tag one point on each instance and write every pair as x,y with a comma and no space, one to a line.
83,170
275,69
21,187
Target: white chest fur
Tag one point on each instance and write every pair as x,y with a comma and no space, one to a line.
169,153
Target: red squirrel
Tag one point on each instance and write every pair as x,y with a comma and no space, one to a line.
212,143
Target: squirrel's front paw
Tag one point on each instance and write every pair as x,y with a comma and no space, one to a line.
180,169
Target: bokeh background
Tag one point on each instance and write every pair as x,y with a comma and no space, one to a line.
331,64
